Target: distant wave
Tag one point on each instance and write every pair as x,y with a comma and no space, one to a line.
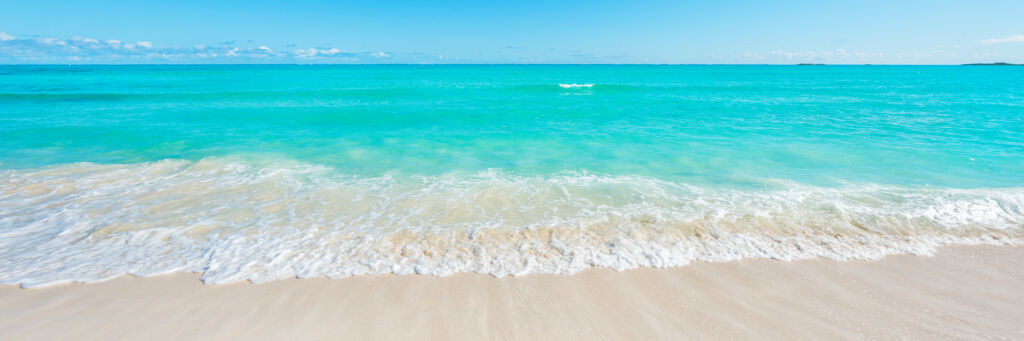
235,220
574,85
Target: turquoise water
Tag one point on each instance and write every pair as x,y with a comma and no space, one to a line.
731,125
265,172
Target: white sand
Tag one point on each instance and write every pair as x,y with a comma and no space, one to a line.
962,292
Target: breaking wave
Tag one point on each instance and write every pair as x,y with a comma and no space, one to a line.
235,220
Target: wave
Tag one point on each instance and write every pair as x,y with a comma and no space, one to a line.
233,220
574,85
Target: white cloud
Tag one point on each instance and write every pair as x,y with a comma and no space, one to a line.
305,53
334,54
1016,38
314,52
82,49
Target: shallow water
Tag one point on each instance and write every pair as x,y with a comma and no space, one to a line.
268,172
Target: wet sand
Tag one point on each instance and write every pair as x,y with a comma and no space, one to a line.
964,292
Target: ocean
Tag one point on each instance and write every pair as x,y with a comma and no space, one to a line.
265,172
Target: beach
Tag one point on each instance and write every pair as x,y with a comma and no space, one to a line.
511,170
962,292
511,202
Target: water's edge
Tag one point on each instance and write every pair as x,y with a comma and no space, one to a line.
234,221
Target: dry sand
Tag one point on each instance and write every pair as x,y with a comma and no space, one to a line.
961,293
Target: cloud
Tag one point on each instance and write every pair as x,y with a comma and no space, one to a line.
82,49
333,54
1016,38
307,53
89,50
52,41
85,40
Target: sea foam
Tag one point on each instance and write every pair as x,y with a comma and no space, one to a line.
574,85
235,220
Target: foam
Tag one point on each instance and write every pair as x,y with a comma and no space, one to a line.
235,220
574,85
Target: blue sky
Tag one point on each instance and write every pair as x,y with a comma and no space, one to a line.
754,32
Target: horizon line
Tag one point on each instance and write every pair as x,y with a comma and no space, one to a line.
506,64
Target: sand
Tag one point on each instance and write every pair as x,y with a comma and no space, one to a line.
969,292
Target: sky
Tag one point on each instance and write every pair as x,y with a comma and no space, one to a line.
526,31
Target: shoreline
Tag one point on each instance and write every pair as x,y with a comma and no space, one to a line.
960,292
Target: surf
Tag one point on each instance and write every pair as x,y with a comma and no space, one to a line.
234,220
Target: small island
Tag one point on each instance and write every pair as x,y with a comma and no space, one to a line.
990,64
